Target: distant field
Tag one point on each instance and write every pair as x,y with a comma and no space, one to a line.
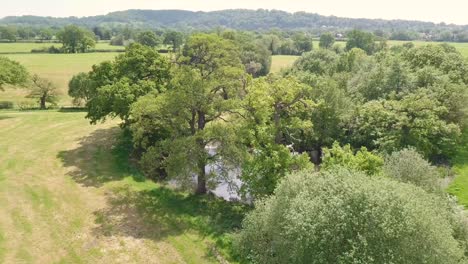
282,61
59,68
27,47
462,47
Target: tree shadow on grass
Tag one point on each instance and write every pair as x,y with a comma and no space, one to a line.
171,211
100,157
5,117
140,210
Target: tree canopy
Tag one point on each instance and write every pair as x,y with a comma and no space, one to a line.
347,217
12,73
76,39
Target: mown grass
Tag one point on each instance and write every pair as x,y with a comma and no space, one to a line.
59,68
68,188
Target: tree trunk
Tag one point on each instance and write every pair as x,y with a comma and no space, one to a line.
279,133
43,103
201,180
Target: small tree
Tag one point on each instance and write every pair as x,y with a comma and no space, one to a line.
76,39
362,40
12,73
303,42
409,166
44,91
149,38
174,38
79,88
362,160
326,41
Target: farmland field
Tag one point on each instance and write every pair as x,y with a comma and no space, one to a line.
461,47
59,68
282,61
65,188
27,47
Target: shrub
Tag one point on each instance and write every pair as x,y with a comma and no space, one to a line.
117,40
409,166
52,49
6,105
346,217
27,105
362,160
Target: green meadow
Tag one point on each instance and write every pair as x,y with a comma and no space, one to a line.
17,47
66,187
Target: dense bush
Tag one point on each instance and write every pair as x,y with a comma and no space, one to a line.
6,105
52,49
409,166
361,160
347,217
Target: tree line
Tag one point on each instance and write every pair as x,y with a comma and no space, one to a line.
252,20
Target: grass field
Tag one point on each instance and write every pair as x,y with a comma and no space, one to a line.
462,47
282,61
59,68
459,186
27,47
67,195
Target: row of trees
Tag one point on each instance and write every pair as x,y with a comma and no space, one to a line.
251,20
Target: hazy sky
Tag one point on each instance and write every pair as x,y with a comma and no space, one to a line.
450,11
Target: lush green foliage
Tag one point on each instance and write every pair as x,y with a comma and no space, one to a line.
79,88
149,38
76,39
409,166
11,72
361,40
44,91
113,86
362,160
326,41
173,38
325,218
273,108
205,88
405,96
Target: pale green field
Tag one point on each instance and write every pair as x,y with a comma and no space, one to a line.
280,62
59,68
67,196
461,47
27,47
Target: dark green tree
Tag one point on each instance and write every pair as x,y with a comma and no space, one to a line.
76,39
326,40
12,73
149,38
195,110
173,38
362,40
